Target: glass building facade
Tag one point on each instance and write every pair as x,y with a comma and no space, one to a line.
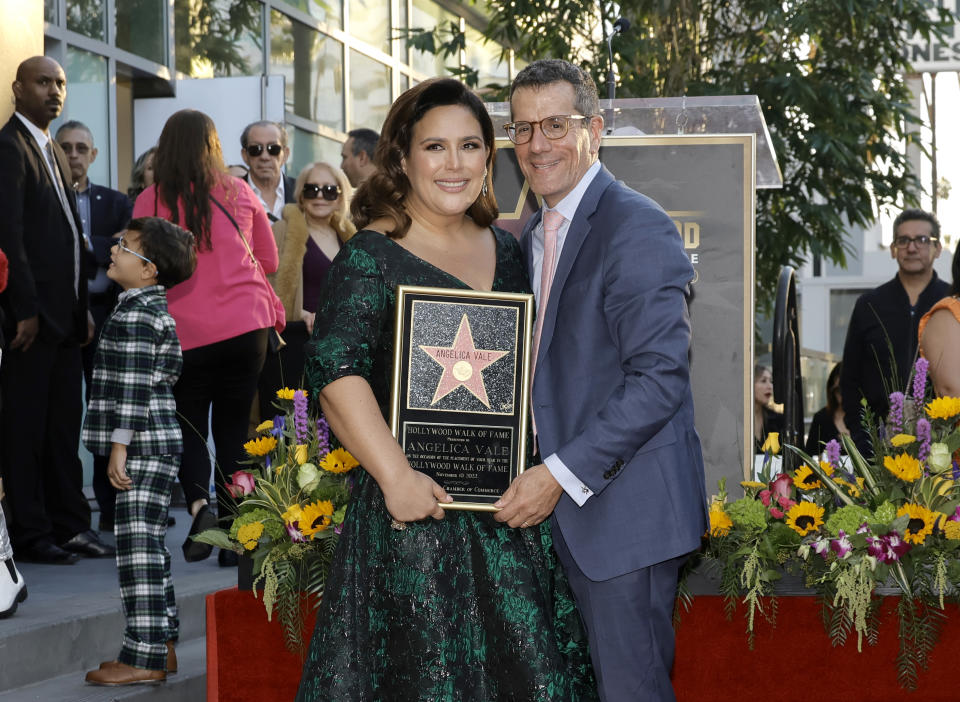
343,61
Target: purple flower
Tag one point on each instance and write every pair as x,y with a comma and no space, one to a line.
300,416
833,452
821,546
923,436
956,471
278,423
293,530
863,528
841,545
955,517
323,435
338,529
920,381
896,412
888,548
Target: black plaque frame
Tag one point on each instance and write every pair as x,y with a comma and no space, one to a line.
472,443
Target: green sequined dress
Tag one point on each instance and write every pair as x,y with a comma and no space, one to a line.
464,609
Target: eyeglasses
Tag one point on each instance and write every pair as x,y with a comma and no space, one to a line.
922,242
122,245
311,191
555,127
257,149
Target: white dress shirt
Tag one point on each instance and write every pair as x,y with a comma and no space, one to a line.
571,484
278,202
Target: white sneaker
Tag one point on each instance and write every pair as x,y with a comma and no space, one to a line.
13,590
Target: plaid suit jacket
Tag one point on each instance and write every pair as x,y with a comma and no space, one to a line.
138,360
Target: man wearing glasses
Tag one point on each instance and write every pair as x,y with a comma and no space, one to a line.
264,150
882,337
622,471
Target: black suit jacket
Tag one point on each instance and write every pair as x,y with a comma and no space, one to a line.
110,212
36,236
289,185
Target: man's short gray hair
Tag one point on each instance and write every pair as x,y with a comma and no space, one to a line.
547,71
74,124
263,123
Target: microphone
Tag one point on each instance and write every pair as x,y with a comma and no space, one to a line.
620,26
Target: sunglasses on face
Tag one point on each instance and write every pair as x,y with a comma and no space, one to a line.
311,191
257,149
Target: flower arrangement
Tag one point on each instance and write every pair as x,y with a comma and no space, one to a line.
290,507
850,525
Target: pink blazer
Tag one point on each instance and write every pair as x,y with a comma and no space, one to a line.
225,297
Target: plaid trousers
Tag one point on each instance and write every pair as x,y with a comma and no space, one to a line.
143,562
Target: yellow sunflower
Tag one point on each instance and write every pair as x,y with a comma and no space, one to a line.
902,440
248,534
720,523
951,530
853,490
265,426
922,521
285,394
806,479
316,517
752,485
943,407
805,517
260,446
339,461
904,466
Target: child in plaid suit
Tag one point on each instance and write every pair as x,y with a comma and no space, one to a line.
132,418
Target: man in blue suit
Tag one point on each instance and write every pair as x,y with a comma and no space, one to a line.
104,213
622,473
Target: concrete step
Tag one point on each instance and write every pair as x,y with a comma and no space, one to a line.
188,685
72,621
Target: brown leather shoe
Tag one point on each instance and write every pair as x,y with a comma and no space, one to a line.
171,658
117,674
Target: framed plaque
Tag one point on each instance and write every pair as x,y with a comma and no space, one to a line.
461,388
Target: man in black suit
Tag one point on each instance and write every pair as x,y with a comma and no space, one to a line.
264,150
104,214
46,321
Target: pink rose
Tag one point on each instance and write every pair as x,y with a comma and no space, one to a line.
782,485
242,484
765,497
785,502
776,513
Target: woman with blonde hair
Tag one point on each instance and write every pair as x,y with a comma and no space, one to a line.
309,235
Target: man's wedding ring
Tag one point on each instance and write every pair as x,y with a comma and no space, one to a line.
397,526
524,525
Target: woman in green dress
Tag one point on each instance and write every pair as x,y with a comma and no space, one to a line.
423,605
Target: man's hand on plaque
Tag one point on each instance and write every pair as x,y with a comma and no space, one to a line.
530,498
413,496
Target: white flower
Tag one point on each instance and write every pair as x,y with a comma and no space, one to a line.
307,477
939,458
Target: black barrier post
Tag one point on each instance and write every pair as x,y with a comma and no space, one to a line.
787,379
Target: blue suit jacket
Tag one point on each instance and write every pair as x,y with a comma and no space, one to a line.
612,393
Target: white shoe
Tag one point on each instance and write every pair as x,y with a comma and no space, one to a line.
13,590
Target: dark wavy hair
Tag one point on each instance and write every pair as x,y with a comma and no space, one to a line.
171,248
382,195
187,166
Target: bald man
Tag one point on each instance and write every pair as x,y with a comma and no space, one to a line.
45,322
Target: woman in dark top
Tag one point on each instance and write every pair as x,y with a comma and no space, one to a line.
309,236
765,420
420,605
827,423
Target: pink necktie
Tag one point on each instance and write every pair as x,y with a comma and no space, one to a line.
552,221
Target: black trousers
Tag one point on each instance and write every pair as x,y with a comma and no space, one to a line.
105,493
39,437
223,376
282,369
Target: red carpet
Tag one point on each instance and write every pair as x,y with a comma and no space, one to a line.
794,662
